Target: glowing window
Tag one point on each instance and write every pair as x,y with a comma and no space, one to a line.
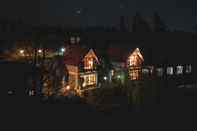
170,70
89,80
188,69
134,74
132,61
112,72
88,63
179,70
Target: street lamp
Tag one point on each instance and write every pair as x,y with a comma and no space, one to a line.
63,50
105,77
40,51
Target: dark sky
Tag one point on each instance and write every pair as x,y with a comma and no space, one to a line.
179,14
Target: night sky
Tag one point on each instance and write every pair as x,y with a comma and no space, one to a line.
179,14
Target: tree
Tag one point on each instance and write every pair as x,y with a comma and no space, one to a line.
158,24
122,23
53,76
140,25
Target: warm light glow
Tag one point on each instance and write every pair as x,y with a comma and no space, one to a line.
89,79
135,58
112,72
134,73
88,63
22,52
84,84
40,51
67,87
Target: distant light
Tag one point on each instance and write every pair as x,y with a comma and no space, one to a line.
112,72
39,51
67,87
90,62
63,50
22,51
118,76
10,92
105,77
84,84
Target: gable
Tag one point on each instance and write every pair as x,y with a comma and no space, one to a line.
91,54
138,53
135,58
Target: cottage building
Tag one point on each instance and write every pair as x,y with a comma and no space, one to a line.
126,62
81,64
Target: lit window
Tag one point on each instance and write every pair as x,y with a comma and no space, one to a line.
88,63
159,71
188,69
134,74
132,61
89,80
179,70
112,72
170,70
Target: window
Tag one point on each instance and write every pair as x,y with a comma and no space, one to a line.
88,63
179,70
188,69
132,61
112,72
89,80
134,74
170,70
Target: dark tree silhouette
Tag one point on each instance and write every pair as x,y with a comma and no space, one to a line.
158,24
140,25
122,23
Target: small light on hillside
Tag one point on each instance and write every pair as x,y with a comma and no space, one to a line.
39,51
105,77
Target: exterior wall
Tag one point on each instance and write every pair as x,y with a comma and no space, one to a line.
86,87
73,76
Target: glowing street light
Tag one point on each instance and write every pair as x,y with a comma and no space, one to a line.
105,77
40,51
63,50
118,76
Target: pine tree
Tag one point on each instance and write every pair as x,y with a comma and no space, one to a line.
158,24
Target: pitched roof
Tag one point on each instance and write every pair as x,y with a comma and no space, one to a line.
75,55
120,53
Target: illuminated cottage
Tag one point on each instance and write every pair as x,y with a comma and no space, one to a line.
126,62
81,64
